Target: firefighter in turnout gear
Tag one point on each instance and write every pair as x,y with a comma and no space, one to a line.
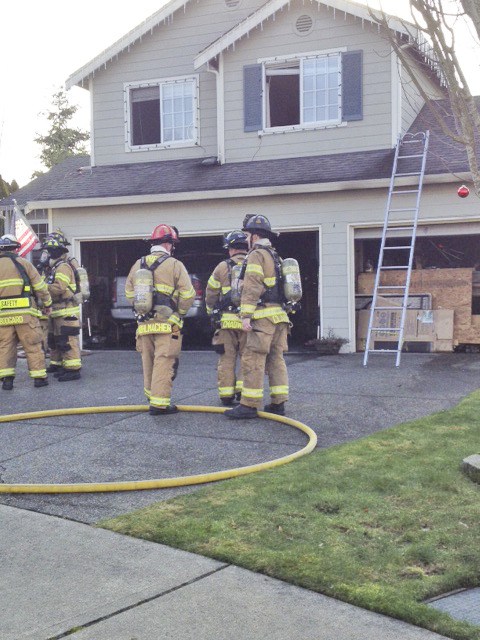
265,322
43,267
21,286
64,325
229,338
161,293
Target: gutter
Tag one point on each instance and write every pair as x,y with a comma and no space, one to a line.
245,192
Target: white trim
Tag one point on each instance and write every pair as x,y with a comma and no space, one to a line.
92,126
300,59
320,283
314,126
125,42
238,31
185,234
298,56
352,328
246,192
220,97
267,10
422,224
396,91
160,83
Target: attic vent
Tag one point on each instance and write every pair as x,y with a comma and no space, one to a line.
303,25
231,4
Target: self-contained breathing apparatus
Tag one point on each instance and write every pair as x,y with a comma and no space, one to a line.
147,302
82,284
226,303
287,289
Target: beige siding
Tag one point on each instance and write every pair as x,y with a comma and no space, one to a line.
331,212
277,37
168,51
412,101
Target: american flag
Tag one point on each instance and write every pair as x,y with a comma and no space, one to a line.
23,232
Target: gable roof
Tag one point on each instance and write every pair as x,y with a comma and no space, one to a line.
267,10
74,181
80,76
125,42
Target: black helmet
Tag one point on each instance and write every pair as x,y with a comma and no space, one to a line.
235,240
60,236
246,219
55,243
256,223
8,242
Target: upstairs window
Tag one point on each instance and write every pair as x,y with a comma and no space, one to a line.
161,114
303,92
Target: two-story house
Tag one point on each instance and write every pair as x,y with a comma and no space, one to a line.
212,109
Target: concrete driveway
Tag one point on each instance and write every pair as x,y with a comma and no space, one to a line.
59,576
335,395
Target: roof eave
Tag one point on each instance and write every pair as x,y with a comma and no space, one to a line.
242,192
80,76
272,6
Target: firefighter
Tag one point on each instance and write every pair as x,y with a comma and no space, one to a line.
20,287
229,338
265,323
64,326
160,308
43,267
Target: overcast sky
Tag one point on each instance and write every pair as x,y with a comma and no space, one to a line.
45,42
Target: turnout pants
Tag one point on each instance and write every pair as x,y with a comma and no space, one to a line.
29,335
64,343
229,344
160,352
264,350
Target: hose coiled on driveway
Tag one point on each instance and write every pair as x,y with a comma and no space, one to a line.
162,483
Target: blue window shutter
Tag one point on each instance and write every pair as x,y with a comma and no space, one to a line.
252,97
352,85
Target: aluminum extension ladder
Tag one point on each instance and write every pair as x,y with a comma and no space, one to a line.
409,162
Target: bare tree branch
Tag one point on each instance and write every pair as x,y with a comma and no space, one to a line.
434,21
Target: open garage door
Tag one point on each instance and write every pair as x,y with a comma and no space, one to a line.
109,261
444,296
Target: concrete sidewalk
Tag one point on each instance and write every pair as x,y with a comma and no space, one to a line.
57,572
58,575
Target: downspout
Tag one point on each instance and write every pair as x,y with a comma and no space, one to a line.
216,66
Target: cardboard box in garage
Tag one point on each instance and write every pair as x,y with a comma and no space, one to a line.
434,326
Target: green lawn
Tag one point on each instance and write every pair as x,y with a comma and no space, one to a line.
383,522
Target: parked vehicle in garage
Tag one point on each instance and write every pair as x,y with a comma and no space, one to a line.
122,323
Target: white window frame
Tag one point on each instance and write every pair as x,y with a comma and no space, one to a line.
190,142
300,57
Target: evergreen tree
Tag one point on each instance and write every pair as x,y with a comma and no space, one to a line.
4,188
61,141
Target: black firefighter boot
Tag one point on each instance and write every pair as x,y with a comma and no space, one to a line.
163,411
54,368
241,412
7,384
40,382
277,409
229,402
68,375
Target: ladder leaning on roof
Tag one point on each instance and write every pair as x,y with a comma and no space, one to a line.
409,161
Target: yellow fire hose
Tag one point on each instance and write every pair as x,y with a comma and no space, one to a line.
162,483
